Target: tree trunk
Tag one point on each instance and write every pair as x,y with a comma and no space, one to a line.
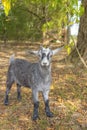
4,36
81,39
68,26
68,29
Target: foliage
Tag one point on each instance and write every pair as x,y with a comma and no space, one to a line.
69,47
28,19
7,5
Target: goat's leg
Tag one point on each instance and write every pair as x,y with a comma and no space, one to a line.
18,92
9,85
46,100
36,104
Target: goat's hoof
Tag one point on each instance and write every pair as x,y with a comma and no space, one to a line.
5,103
49,114
19,98
35,117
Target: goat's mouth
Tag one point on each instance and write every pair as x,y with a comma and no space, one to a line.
45,65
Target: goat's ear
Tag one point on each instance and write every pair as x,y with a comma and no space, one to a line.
57,50
33,52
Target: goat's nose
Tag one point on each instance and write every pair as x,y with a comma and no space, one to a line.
44,63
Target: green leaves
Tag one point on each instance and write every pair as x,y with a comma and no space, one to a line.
7,6
69,47
81,10
33,17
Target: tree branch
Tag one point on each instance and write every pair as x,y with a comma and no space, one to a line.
82,60
33,14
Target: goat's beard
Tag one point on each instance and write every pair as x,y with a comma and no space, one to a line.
45,67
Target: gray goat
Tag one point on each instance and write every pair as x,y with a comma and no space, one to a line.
36,76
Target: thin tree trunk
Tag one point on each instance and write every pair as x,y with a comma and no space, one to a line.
81,39
68,29
4,36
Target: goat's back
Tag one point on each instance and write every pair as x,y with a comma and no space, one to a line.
29,74
19,71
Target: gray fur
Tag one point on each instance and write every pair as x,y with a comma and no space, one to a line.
36,76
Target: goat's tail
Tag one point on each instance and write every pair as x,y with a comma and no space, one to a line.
12,58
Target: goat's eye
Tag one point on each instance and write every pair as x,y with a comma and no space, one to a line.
43,55
48,55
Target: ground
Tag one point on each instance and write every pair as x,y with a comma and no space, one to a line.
68,95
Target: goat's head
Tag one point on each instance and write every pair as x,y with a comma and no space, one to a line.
45,55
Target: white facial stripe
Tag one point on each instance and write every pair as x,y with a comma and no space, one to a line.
45,56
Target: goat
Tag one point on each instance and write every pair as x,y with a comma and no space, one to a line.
36,76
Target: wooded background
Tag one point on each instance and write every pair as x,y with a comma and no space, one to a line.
46,21
27,24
